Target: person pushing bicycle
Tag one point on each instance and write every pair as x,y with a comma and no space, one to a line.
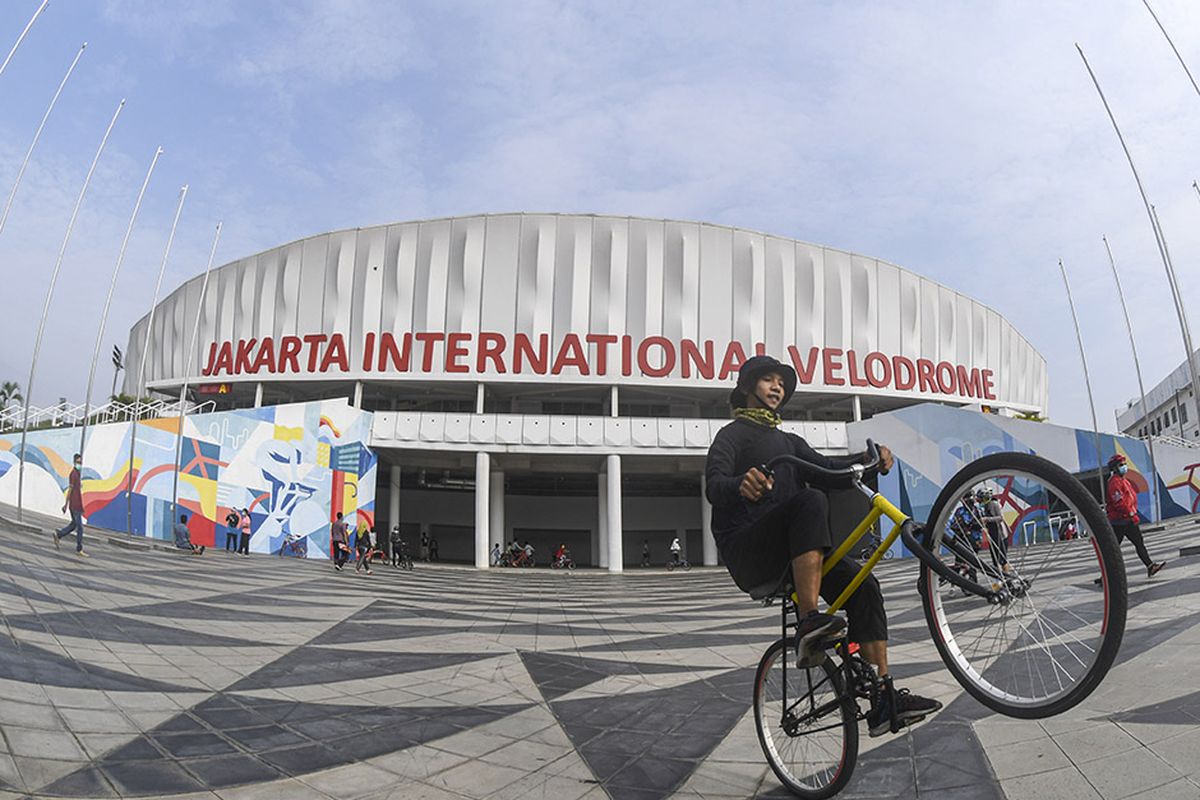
763,522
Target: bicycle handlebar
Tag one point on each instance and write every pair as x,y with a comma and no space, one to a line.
835,478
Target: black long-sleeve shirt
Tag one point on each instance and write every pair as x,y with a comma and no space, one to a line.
741,445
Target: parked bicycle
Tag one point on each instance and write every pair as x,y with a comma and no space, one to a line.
1031,638
293,546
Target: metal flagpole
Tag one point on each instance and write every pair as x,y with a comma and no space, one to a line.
1175,49
138,387
21,38
1137,366
1179,307
37,342
37,135
187,371
1087,380
1162,250
87,398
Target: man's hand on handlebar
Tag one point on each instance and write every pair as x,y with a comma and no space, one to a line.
885,460
755,485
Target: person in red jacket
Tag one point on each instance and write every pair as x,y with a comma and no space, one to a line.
75,505
1121,505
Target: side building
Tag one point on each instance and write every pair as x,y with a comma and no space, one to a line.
1169,411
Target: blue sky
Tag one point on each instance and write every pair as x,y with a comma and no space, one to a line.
963,141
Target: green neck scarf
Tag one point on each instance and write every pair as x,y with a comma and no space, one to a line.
759,416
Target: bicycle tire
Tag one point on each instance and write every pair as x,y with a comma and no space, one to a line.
772,736
1111,622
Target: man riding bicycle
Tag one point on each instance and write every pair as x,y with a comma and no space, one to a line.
762,523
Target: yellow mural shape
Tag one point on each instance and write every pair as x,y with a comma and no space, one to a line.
322,454
168,424
206,489
287,434
349,494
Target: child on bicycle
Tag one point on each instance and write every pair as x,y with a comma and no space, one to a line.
764,523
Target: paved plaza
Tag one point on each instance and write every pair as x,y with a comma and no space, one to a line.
149,673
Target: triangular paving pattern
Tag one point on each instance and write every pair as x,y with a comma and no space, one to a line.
557,674
644,745
229,740
26,662
319,665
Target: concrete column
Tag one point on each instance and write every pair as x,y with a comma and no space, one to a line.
358,390
258,395
601,549
483,463
857,403
393,496
496,512
706,536
614,402
479,398
616,554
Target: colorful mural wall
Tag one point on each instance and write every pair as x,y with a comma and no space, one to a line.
932,442
293,466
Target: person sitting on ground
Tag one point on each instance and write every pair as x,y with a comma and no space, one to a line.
183,539
765,523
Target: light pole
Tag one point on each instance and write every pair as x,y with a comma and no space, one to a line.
21,38
1087,381
37,342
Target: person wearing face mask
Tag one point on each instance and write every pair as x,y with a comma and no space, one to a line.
1121,505
75,505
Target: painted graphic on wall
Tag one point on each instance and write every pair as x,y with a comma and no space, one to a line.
932,442
294,467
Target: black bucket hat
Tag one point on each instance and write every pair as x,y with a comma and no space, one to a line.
754,368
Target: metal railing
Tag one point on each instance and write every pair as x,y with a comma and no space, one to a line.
67,415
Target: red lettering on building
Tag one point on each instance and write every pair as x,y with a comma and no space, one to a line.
389,353
968,382
525,352
242,363
804,369
986,375
429,340
289,350
852,368
925,376
335,353
602,341
491,347
313,340
266,356
668,356
690,356
570,354
881,377
368,351
831,360
900,363
455,350
735,356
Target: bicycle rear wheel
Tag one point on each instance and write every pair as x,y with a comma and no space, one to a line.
1053,637
808,729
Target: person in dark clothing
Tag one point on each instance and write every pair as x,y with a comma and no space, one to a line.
1121,505
75,505
339,537
231,532
363,545
762,523
433,548
991,516
395,545
244,526
183,539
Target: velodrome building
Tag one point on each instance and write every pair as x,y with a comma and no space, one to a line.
558,378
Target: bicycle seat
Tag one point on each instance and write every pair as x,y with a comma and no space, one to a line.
782,587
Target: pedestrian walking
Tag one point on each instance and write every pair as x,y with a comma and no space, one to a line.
74,504
183,539
645,552
1121,506
433,548
424,546
496,555
231,530
394,545
338,537
364,550
244,527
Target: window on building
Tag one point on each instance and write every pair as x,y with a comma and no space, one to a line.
1174,417
1183,414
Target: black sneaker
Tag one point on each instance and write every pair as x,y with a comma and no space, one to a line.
54,538
895,709
1155,568
813,628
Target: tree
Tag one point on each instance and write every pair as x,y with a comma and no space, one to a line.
10,391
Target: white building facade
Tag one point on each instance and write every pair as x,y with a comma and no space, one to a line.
558,378
1169,411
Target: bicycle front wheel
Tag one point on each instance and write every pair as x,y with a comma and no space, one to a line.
1058,626
807,726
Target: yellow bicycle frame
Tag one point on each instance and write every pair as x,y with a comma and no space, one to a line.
880,507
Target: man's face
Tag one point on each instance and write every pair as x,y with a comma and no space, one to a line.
770,390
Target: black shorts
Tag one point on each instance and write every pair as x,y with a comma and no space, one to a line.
762,552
